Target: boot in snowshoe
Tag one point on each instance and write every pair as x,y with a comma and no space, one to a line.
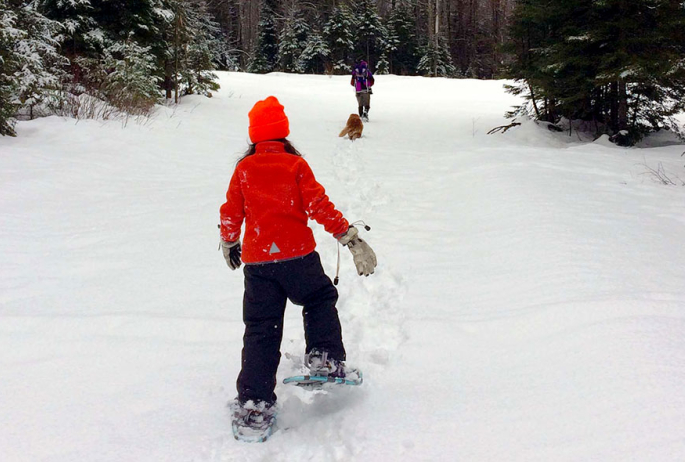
323,369
253,422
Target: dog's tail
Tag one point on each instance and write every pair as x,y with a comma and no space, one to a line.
345,131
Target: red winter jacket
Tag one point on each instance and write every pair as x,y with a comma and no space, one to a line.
275,192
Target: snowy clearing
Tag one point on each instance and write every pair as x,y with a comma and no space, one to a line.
529,303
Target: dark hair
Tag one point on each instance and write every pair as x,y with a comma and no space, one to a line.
287,145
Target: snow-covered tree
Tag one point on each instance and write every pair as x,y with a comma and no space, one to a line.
8,61
643,71
402,43
339,35
30,65
199,53
189,38
226,55
129,80
123,19
370,32
265,56
576,60
386,45
315,54
80,34
292,41
436,60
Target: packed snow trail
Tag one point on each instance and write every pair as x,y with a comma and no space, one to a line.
528,304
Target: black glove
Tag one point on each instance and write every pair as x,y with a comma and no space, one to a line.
232,253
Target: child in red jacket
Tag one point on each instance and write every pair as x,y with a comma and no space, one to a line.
274,191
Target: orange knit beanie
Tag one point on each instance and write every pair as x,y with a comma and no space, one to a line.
268,121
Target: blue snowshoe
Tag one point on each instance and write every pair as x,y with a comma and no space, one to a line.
322,370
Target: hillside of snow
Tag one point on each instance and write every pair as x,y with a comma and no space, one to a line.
529,303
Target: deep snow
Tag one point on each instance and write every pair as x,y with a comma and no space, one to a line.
529,303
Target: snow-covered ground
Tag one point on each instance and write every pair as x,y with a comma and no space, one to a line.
529,303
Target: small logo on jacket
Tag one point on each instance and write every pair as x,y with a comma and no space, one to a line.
274,248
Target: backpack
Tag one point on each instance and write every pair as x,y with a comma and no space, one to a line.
363,77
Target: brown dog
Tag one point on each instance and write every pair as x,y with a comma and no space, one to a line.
353,128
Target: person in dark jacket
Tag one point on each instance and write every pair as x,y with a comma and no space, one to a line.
362,81
274,192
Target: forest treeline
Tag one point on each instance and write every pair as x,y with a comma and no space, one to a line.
67,56
578,60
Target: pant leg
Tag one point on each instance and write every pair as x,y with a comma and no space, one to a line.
367,102
360,103
263,309
307,285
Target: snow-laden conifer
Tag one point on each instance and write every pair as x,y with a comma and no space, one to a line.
402,42
199,77
130,83
8,60
265,56
30,62
315,54
293,40
581,61
436,60
339,34
370,32
189,38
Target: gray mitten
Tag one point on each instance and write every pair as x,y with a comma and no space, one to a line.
232,252
364,257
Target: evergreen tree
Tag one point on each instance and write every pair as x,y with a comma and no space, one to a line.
80,34
189,37
530,33
292,41
315,54
392,43
339,33
96,35
199,50
371,32
122,20
555,54
576,60
402,40
129,82
643,72
180,34
266,55
436,60
39,70
30,65
225,56
8,62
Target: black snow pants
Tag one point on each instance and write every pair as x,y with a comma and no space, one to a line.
267,288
